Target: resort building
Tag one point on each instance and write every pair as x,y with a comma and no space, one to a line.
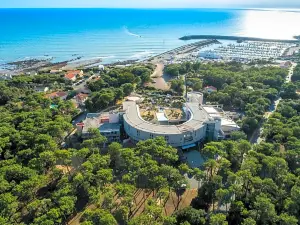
182,128
111,131
196,97
198,127
107,123
227,124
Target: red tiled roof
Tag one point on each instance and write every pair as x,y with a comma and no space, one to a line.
56,94
61,93
82,96
211,87
71,74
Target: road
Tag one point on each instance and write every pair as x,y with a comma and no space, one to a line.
257,138
83,84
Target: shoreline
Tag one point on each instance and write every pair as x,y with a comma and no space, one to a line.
183,52
34,64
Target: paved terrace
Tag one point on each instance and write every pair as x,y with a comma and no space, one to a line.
133,118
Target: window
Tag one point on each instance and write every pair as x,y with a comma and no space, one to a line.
151,136
167,138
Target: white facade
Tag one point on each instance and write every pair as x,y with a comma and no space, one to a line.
197,128
209,55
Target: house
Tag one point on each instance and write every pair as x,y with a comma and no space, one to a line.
6,77
55,71
101,67
81,98
285,65
210,89
41,89
31,73
83,90
250,88
58,94
73,74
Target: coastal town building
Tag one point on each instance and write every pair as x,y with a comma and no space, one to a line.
210,89
81,98
101,67
73,75
5,77
209,54
285,65
55,71
58,94
41,89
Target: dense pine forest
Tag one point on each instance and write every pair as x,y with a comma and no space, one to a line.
43,182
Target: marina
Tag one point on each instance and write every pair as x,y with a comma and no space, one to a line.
185,52
248,50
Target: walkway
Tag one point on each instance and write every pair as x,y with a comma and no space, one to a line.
257,134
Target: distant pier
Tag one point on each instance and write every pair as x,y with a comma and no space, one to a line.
185,49
235,38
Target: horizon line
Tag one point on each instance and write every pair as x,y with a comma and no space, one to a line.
167,8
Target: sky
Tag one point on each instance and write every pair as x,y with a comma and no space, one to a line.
150,3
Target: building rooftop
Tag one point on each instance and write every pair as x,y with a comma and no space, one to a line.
211,87
71,74
197,118
214,113
161,117
109,127
82,96
56,94
91,122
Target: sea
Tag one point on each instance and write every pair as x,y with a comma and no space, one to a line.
127,34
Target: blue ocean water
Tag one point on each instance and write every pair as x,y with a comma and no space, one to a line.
120,34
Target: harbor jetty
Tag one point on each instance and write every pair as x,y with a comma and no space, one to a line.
236,38
182,51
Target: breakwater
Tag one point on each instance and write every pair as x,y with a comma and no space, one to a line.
235,38
183,49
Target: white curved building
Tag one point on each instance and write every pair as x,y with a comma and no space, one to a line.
200,126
